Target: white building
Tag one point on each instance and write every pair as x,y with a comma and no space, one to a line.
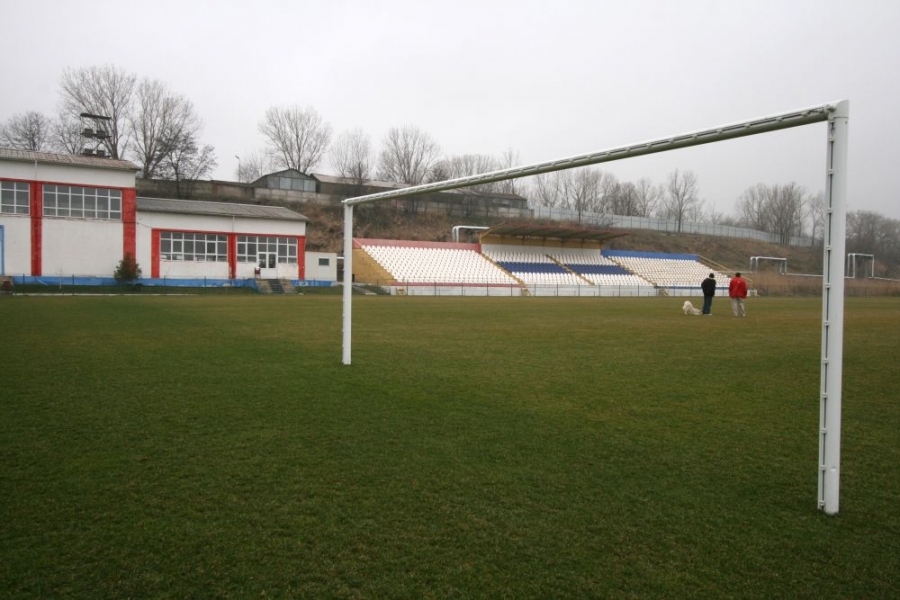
78,216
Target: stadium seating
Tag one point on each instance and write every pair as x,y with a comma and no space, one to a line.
541,271
598,269
408,264
665,271
535,268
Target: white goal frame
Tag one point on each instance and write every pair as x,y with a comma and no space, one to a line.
837,114
850,271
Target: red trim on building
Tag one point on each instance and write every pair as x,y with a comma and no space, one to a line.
37,227
129,222
301,257
232,248
360,242
232,255
154,253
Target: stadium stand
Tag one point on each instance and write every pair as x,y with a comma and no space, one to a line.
438,268
534,267
598,269
416,264
666,270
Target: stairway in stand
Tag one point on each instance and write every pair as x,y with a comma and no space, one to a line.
275,286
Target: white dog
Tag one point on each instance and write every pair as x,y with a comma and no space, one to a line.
689,308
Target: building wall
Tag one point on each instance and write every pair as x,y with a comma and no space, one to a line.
72,246
80,247
16,259
317,272
67,175
152,224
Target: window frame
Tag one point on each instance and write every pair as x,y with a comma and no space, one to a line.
81,202
285,247
193,246
11,193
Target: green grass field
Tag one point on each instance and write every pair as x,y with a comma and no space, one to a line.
191,447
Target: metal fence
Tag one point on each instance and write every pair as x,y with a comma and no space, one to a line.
75,285
668,225
542,290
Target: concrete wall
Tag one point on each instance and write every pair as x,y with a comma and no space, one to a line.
16,244
317,272
81,247
451,203
67,175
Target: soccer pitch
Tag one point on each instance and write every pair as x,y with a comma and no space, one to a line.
477,447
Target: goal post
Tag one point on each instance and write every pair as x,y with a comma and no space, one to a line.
837,116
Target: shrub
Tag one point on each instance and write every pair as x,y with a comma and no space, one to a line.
127,270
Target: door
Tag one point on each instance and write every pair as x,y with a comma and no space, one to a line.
267,263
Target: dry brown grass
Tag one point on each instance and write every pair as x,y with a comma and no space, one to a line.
774,284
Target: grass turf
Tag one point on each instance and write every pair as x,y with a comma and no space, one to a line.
529,447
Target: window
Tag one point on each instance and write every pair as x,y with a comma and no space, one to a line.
251,247
296,184
79,202
324,262
14,197
196,247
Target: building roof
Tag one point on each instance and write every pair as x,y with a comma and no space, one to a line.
368,182
74,160
399,186
290,173
531,230
220,209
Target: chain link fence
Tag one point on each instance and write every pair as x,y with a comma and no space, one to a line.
666,225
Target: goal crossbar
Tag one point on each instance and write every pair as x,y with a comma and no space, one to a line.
797,118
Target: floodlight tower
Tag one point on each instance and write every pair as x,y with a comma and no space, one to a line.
95,133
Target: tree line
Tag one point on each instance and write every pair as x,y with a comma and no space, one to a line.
143,120
159,130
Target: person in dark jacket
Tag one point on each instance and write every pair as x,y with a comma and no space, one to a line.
709,291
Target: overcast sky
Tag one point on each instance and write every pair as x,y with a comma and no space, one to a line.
546,79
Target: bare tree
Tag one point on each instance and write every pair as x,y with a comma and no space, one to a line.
466,165
753,206
104,91
298,137
627,199
185,163
648,197
26,131
463,166
578,190
253,165
509,159
680,201
777,209
583,190
545,191
407,155
786,211
351,156
160,121
65,135
815,211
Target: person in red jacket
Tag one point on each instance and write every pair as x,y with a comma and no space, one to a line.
737,291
